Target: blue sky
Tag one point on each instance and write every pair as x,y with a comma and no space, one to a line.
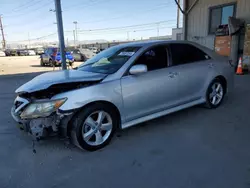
32,18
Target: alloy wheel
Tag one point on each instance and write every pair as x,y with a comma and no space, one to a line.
216,94
97,128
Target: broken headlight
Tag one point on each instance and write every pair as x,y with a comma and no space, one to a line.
42,108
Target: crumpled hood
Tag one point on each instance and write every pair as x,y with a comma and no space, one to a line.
46,80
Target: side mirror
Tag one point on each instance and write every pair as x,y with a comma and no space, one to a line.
138,69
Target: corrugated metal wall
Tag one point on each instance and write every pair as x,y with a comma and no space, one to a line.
198,19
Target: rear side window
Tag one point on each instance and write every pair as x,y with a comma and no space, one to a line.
186,53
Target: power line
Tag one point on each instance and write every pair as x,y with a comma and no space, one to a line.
130,29
129,26
23,5
124,31
42,37
28,12
84,5
26,6
160,6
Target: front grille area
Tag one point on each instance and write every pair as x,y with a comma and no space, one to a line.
17,104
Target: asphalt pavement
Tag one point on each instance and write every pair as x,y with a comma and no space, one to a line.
194,148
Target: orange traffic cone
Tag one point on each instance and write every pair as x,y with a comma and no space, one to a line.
239,68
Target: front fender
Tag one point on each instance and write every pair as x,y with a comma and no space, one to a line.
105,91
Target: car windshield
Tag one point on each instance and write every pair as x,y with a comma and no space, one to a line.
109,61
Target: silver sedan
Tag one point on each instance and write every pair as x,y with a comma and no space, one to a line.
119,88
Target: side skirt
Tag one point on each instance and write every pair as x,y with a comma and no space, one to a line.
162,113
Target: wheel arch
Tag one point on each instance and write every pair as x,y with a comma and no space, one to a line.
223,80
113,106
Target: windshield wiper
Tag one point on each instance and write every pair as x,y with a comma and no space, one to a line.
84,65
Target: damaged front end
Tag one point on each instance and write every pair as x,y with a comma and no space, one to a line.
39,115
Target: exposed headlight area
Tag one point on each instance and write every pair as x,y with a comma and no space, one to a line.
42,108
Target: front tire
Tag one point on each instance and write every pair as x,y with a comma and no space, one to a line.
215,94
94,127
42,63
51,63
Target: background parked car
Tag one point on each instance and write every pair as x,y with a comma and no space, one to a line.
48,57
78,55
10,52
69,59
2,54
52,57
7,52
22,52
94,49
39,51
31,52
88,53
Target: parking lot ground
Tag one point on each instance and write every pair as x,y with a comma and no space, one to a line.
194,148
24,64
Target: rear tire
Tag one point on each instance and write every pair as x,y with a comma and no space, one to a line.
215,94
94,127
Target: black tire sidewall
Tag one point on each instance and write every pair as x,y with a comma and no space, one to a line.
51,63
41,62
81,117
208,102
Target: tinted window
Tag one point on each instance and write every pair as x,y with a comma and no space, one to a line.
109,61
215,19
219,16
185,53
155,58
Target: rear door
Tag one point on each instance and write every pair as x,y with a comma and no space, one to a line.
192,67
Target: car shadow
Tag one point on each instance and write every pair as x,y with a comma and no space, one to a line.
35,66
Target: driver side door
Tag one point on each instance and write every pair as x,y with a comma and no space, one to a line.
149,92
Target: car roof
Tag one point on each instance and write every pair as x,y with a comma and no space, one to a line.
155,42
150,43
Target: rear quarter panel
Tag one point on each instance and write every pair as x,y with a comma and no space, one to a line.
221,68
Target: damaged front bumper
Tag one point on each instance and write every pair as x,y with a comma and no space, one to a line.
39,128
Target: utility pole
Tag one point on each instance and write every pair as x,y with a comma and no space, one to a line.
60,32
29,38
76,37
2,32
178,16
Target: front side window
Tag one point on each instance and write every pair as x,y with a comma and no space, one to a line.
219,16
155,58
109,61
186,53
